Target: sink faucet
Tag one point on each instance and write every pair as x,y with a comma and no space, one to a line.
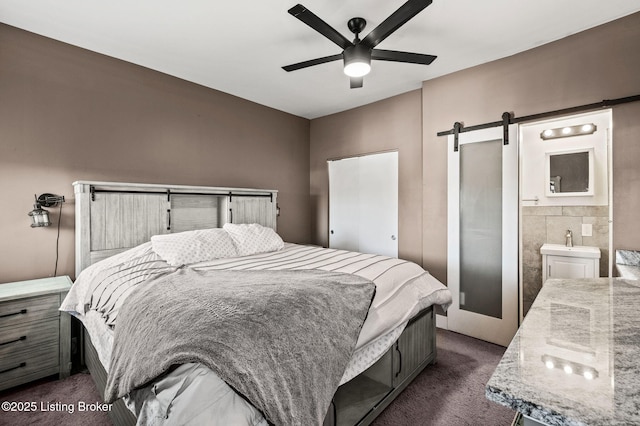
568,238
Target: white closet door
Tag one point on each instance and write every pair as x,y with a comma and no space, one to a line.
344,204
379,204
363,204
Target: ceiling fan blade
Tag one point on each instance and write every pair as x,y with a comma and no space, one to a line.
309,18
396,56
356,82
312,62
395,21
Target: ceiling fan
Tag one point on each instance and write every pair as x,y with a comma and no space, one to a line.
357,55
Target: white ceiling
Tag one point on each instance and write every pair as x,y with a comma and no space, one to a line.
239,47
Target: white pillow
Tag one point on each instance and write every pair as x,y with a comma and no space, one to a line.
188,247
253,238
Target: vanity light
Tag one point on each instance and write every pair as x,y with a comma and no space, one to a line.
563,132
39,216
569,367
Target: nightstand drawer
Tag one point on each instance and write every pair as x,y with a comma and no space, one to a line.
19,311
35,338
44,360
27,337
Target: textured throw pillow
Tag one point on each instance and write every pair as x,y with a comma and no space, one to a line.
188,247
253,238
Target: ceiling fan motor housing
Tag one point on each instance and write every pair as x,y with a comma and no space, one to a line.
356,25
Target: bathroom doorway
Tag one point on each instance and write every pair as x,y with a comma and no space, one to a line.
565,188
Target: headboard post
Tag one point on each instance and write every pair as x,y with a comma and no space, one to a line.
83,225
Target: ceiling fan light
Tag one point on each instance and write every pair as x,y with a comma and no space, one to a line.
357,61
357,69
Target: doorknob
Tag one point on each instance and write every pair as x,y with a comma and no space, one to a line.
393,237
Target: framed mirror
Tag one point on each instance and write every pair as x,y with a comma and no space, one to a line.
570,173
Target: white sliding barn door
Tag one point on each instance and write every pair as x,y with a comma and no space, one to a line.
363,204
482,253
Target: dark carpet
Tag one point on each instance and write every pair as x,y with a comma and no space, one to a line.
449,393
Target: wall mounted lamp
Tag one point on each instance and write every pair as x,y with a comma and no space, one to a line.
568,131
39,216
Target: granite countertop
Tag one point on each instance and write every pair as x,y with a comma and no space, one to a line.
628,263
576,358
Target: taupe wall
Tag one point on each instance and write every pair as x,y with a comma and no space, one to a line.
391,124
601,63
68,114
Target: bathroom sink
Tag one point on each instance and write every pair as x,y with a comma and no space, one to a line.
575,251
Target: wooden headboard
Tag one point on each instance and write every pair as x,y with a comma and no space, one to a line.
112,217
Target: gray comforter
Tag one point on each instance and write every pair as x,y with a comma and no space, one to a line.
282,339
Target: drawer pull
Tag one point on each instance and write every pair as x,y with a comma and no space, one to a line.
22,364
23,311
399,359
13,341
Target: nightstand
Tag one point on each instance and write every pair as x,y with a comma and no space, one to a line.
35,338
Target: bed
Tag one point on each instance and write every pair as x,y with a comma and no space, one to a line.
134,242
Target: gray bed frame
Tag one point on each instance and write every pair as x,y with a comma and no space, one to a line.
112,217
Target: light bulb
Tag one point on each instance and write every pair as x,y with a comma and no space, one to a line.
357,69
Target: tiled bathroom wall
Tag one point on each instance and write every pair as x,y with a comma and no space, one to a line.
549,224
